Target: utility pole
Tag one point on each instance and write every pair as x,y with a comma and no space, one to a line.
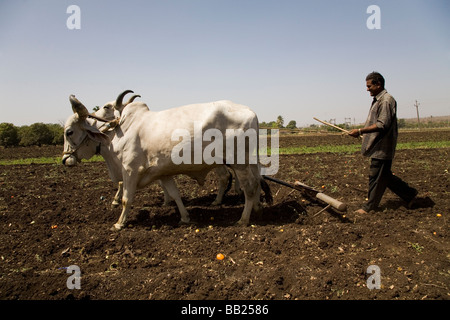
417,109
348,122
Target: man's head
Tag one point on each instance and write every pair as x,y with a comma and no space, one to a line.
375,83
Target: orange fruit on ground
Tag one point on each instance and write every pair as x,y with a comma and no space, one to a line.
220,256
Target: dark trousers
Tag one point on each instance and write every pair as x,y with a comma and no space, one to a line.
380,178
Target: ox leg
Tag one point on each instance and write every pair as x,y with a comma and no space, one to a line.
116,201
172,189
167,198
129,190
225,178
252,188
257,205
237,186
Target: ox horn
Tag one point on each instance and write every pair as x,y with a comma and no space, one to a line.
132,99
78,107
119,106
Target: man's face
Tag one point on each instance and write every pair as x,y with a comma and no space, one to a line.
374,89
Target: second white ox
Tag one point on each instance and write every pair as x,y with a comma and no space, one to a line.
140,151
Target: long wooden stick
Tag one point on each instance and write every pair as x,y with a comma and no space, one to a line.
332,125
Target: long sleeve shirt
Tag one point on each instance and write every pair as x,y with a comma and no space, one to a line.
383,113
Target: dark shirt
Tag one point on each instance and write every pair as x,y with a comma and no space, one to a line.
383,113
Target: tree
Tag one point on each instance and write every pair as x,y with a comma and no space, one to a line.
292,124
36,134
57,133
280,121
9,135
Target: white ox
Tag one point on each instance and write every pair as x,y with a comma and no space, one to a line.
140,151
106,115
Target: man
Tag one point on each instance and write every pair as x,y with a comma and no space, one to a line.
379,142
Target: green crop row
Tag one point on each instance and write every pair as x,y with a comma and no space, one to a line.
284,151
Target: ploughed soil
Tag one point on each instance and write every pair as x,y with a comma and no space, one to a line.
52,217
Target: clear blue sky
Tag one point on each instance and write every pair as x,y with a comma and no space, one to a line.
298,59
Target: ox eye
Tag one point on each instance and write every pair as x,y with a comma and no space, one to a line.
69,133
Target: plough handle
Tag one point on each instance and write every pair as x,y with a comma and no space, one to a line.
297,187
319,195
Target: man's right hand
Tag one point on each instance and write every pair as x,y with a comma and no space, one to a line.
354,133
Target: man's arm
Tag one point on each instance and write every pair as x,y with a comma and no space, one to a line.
357,132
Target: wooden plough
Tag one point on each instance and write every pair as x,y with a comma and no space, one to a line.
331,202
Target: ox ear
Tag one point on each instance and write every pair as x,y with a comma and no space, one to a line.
97,136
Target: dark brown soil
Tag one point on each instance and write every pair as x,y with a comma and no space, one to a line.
52,217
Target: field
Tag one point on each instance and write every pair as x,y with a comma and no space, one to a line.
52,217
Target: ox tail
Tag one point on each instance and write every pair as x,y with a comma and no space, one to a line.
267,192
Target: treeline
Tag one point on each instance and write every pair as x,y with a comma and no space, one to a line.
278,124
37,134
402,124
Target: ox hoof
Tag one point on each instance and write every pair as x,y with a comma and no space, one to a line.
169,204
216,203
117,227
115,204
242,223
185,223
